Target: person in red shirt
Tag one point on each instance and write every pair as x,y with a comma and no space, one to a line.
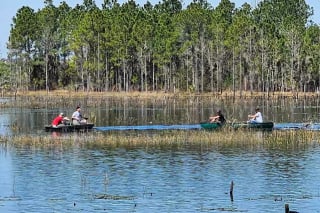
59,120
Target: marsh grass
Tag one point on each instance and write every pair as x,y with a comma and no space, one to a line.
158,94
170,139
294,137
66,98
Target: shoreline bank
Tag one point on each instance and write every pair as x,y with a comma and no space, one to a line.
163,94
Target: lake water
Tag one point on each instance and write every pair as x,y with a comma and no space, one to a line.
154,180
168,111
145,179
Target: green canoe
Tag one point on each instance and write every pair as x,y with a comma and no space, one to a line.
210,126
265,126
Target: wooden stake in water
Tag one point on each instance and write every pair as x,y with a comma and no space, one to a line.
286,207
231,191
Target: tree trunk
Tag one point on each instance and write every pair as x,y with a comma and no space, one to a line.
107,75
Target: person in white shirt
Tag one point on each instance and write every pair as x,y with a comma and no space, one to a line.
255,118
77,118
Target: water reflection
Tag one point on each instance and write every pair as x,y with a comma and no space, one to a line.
167,111
191,178
187,179
6,177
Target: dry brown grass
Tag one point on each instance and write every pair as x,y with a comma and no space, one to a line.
159,94
159,138
38,99
170,139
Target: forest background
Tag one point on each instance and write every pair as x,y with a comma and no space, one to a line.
163,47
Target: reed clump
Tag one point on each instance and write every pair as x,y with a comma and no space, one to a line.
162,94
36,141
294,137
68,98
169,139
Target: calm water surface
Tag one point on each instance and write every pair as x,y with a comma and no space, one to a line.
189,179
140,180
129,111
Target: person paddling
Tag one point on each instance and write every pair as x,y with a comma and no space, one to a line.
59,120
77,118
255,118
218,118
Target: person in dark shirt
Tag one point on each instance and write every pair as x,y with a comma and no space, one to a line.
218,118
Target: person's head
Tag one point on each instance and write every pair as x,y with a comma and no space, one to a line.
61,114
78,108
218,112
257,109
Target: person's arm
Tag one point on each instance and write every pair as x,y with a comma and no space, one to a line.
214,118
251,116
254,116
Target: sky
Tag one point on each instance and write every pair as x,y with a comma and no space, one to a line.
9,9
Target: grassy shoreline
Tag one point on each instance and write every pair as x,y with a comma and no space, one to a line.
66,98
160,138
169,139
159,94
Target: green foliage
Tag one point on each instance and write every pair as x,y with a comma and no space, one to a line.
166,46
5,82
